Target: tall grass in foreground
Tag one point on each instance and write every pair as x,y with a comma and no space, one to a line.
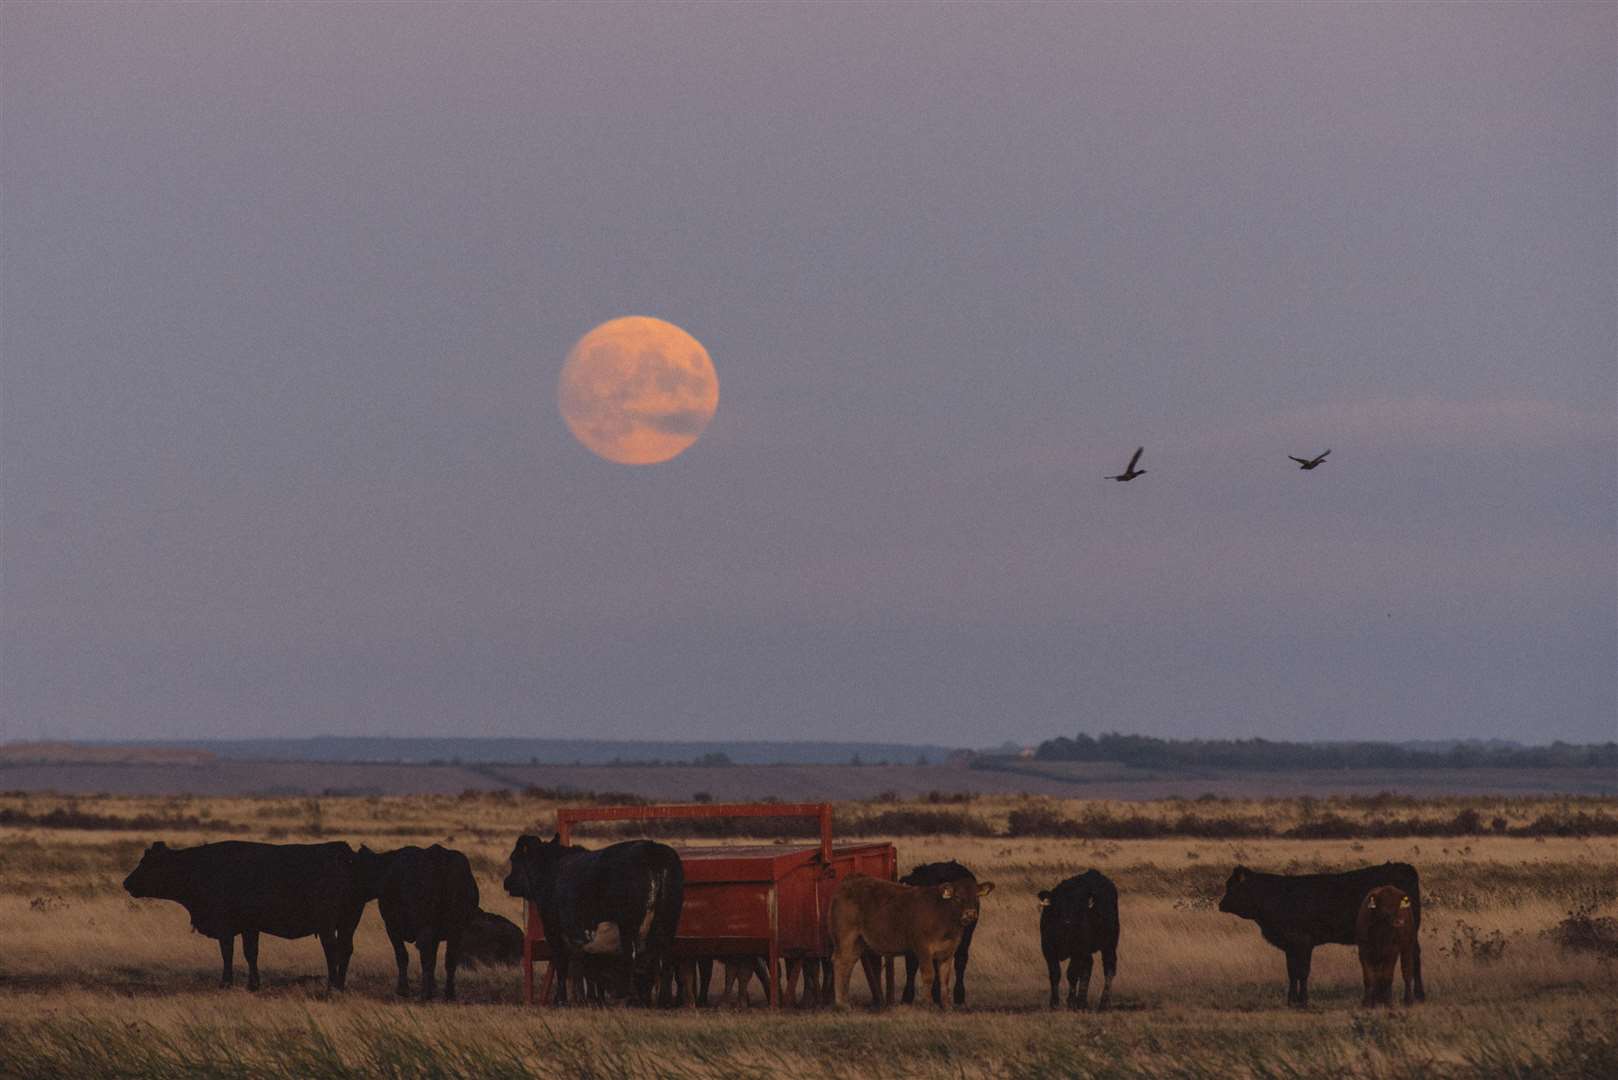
321,1040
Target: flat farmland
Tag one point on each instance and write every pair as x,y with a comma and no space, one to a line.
94,983
790,783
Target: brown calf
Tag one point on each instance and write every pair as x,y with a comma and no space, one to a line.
869,915
1385,932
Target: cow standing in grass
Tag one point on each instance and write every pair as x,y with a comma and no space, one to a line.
1385,932
427,896
1296,912
1077,919
623,901
239,887
870,917
940,873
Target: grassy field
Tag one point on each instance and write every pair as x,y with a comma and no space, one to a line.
93,983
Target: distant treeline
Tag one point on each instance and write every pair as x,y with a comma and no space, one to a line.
1148,752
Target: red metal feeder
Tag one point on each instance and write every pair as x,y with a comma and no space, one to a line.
762,900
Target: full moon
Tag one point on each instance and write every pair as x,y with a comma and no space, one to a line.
637,390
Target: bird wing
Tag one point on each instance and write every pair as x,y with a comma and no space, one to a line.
1134,459
1299,460
1322,456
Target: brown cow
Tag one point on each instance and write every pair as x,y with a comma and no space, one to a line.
869,915
1385,932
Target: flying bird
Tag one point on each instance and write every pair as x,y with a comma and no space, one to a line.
1131,472
1309,463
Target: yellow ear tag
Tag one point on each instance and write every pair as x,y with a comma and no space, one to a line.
1371,904
1405,902
946,892
1045,903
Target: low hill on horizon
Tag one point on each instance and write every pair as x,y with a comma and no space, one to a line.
508,751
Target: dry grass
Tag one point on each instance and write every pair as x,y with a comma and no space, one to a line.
94,983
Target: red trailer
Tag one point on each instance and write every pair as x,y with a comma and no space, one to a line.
764,900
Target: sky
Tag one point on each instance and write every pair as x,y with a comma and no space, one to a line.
285,290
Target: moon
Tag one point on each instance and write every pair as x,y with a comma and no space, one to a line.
637,390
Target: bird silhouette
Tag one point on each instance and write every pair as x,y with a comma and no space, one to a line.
1130,472
1309,463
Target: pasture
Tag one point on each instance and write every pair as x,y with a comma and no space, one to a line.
93,983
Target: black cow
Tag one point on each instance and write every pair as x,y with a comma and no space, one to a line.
940,873
238,887
426,896
490,939
1077,919
623,900
1296,912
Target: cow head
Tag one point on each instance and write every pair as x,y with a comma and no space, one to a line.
1071,903
1388,905
1241,898
159,875
533,865
938,873
962,897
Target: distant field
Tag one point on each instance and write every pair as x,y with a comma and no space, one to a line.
788,782
93,983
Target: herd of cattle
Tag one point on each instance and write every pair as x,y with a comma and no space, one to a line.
610,916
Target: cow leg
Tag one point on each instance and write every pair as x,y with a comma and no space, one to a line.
345,952
1109,968
960,977
1368,978
1053,965
427,947
1295,977
704,978
872,965
1085,963
1415,952
929,977
452,960
559,971
328,946
1404,973
227,953
843,970
401,960
249,952
688,969
1305,956
943,976
909,994
626,970
794,965
810,968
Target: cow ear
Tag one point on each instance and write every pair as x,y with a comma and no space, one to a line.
946,891
556,838
1239,873
1044,899
985,888
158,845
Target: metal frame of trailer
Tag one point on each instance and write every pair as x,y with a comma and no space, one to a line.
740,900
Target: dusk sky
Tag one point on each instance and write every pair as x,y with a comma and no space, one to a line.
287,290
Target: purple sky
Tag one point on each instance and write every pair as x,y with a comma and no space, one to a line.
286,290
